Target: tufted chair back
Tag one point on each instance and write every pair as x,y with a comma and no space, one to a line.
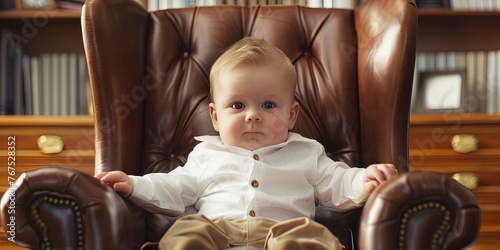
150,85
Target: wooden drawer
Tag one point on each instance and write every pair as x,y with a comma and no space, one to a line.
430,144
430,148
76,133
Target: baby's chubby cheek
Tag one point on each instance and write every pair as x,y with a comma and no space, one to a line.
277,125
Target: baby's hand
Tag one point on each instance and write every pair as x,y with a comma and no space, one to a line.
117,180
376,174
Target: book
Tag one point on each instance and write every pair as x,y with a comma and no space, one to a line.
18,98
441,61
164,4
153,5
55,94
46,84
314,3
10,74
72,82
35,86
3,71
479,95
495,5
490,84
429,3
174,4
210,2
7,4
420,66
470,80
496,87
451,61
63,83
28,93
430,61
460,60
328,3
82,82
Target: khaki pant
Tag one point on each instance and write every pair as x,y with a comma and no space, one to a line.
196,232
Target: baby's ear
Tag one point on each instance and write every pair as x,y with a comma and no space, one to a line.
213,116
294,113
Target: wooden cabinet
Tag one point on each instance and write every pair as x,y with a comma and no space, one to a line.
432,137
43,32
466,146
20,149
19,144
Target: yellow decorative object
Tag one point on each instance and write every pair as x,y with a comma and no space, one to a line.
469,180
464,143
50,144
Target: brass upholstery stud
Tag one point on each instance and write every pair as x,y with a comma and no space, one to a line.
42,227
419,207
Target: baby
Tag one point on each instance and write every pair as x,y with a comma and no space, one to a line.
256,183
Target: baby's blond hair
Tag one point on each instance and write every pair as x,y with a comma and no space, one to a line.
251,51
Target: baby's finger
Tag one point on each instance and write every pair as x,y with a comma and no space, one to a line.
388,170
100,175
378,175
113,177
370,186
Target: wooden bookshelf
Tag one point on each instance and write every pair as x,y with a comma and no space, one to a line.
449,30
30,14
430,144
430,136
439,30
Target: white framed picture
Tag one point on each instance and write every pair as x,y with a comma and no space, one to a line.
441,92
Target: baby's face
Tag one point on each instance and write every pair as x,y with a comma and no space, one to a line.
253,106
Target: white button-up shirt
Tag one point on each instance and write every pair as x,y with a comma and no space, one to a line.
279,182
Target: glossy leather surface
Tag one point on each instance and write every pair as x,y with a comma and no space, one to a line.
354,67
421,210
60,208
149,79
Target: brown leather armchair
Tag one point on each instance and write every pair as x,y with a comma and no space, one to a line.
149,78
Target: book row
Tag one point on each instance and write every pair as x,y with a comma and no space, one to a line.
167,4
480,71
45,84
475,5
75,5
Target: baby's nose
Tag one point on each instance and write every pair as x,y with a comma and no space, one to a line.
253,116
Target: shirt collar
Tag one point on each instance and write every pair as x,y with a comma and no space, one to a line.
216,140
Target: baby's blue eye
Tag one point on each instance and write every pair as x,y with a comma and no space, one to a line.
237,105
268,105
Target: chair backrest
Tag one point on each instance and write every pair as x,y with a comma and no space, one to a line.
149,77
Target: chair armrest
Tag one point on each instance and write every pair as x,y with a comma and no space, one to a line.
420,210
61,208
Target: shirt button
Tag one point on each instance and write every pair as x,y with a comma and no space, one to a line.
252,213
255,183
256,157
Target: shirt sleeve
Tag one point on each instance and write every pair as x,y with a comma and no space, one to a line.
337,185
168,193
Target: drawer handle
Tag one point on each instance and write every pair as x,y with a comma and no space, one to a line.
469,180
50,144
464,143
